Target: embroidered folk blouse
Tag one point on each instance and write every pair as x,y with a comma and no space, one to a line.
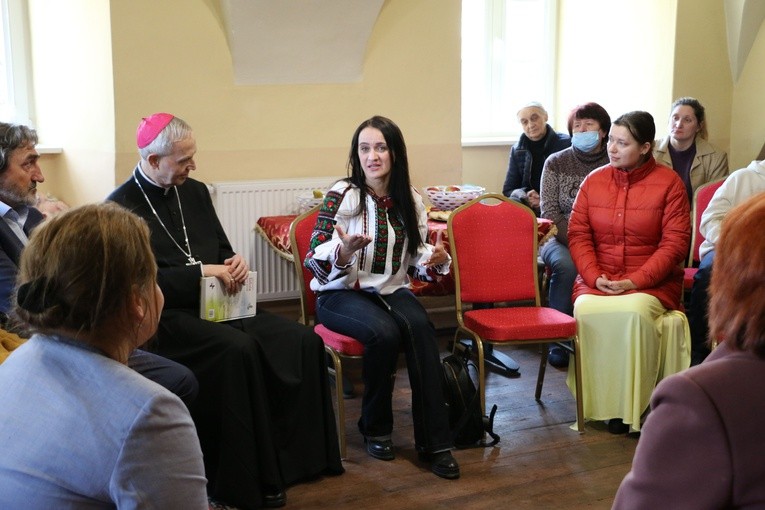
384,265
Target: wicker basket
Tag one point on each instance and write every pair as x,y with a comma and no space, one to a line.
447,198
306,201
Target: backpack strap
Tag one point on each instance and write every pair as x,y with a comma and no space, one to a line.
488,427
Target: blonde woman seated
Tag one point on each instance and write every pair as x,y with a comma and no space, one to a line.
629,232
702,444
686,149
79,428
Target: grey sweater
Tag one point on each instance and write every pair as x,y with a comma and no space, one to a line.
562,175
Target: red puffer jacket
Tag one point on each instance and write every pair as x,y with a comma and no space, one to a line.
633,225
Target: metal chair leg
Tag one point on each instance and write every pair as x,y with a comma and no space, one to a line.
337,371
541,375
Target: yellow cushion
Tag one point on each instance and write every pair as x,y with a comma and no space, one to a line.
8,342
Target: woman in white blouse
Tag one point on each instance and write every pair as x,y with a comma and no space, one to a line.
370,238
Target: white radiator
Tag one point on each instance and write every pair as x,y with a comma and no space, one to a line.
239,204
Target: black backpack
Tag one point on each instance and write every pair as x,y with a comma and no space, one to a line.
467,423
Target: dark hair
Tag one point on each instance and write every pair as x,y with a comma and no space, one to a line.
736,311
590,111
642,128
81,269
13,136
698,111
400,187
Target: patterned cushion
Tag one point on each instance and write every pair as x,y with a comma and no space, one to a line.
276,230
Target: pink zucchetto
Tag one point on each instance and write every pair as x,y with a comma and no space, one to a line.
150,127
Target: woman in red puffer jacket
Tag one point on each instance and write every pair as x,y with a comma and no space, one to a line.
629,233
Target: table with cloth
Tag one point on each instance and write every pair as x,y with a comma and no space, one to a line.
276,231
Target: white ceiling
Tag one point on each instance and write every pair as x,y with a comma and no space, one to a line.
298,41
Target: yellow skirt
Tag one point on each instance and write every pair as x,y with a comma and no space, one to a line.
627,344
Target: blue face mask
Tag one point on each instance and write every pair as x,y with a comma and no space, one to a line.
586,140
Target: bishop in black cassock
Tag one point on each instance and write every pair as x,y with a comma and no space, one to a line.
264,411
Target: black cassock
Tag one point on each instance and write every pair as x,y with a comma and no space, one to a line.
264,411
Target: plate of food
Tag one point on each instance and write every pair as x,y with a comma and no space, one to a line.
438,214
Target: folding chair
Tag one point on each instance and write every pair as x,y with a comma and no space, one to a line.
337,346
493,243
701,200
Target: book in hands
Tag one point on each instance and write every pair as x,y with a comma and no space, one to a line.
216,305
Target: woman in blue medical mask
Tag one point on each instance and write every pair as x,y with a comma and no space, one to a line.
564,171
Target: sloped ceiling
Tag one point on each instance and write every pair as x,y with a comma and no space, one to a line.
298,41
743,19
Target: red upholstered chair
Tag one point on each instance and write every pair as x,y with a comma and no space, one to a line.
336,345
701,200
494,259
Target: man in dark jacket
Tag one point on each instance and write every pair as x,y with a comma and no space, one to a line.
527,157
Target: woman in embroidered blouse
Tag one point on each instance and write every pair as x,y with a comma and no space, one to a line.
369,240
686,149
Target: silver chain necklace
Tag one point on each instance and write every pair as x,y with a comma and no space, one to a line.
187,252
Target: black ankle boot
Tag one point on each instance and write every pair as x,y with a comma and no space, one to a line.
380,448
442,464
617,426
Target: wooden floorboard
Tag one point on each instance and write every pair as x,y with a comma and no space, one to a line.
540,462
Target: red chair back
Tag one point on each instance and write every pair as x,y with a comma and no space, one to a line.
701,200
300,241
507,270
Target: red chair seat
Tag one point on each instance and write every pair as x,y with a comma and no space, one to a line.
520,323
689,273
343,345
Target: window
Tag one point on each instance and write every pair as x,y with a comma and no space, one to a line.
508,60
15,84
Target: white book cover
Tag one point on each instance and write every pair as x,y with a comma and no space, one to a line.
216,305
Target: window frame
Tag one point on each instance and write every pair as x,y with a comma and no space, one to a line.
18,75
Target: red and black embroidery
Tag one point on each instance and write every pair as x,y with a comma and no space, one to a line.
325,226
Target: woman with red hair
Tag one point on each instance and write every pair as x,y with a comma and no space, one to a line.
702,444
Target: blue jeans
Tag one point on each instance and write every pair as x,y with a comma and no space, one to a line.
385,325
697,309
557,257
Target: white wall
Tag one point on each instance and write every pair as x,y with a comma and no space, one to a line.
74,95
618,53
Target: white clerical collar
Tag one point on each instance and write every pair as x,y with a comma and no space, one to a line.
150,180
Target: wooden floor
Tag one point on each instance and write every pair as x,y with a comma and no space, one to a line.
540,461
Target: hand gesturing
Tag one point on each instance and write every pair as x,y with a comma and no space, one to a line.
439,255
351,244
